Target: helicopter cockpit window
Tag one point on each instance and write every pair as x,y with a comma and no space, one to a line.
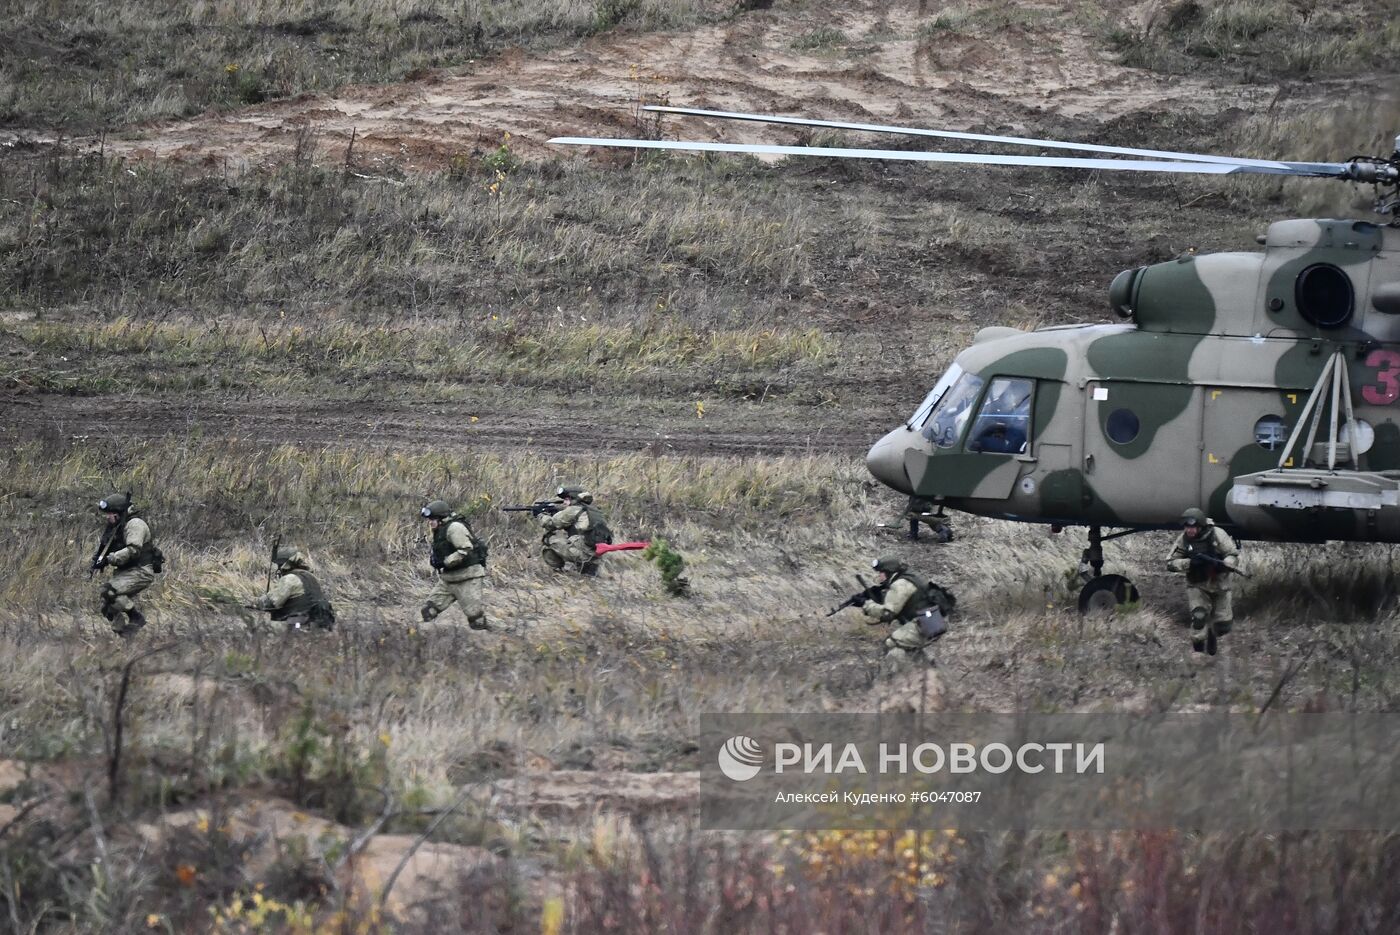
1003,423
951,414
921,414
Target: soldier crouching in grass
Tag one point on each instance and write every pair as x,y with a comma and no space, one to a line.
128,547
573,533
1209,558
917,606
296,598
918,510
459,558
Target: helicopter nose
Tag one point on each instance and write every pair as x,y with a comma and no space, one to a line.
886,460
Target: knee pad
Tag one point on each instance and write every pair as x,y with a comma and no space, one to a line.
478,622
428,612
108,593
1198,617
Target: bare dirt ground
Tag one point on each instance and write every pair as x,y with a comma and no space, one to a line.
883,69
334,423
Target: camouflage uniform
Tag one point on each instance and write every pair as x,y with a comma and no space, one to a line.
132,551
460,564
917,606
1208,588
918,510
573,533
296,597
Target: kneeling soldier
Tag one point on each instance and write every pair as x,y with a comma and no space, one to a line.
296,596
918,510
572,534
1210,560
918,606
129,547
459,558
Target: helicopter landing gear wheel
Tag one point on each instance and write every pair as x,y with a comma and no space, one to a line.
1105,594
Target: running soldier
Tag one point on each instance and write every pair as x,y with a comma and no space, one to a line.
1209,558
459,558
128,547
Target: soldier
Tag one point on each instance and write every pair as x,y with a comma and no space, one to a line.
1207,555
918,606
459,558
573,533
296,597
129,547
918,510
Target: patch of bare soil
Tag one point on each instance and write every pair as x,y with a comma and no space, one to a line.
574,793
861,61
332,422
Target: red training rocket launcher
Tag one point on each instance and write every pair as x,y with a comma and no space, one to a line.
604,548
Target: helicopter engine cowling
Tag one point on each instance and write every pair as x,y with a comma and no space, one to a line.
1211,294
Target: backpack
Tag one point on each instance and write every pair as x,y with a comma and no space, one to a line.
598,530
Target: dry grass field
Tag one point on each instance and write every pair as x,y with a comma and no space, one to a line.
298,297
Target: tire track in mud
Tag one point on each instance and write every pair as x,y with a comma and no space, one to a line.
354,424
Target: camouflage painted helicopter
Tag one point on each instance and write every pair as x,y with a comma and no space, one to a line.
1263,385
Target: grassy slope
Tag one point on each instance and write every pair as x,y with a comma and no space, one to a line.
78,67
300,282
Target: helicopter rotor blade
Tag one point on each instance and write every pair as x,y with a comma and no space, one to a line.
1314,169
972,137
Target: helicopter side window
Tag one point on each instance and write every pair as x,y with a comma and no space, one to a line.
920,416
1003,424
951,414
1270,432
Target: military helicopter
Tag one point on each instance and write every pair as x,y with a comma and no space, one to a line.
1263,386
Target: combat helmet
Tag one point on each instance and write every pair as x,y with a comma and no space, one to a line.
289,556
575,493
115,503
437,509
1193,517
889,564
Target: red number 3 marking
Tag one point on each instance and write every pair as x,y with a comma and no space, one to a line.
1387,387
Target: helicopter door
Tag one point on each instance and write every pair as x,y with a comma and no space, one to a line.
1141,447
1242,431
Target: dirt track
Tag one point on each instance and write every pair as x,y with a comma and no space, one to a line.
885,67
329,422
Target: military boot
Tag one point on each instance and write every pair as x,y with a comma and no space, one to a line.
589,568
1199,640
478,622
135,620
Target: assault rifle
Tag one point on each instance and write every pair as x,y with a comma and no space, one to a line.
272,561
1200,555
103,547
105,544
857,599
538,508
